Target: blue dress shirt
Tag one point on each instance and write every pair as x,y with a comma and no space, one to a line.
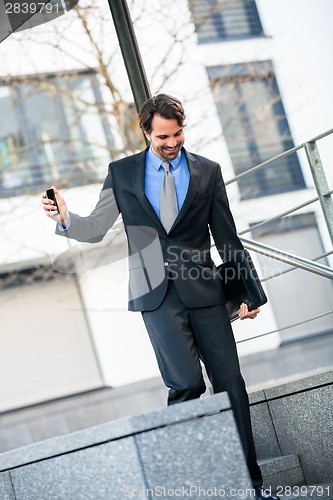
154,174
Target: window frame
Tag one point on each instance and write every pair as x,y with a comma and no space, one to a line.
35,168
252,18
258,71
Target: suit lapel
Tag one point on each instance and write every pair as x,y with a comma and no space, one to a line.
138,179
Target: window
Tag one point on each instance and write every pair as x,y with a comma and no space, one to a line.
52,129
255,127
225,19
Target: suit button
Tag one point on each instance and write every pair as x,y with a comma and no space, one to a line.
166,264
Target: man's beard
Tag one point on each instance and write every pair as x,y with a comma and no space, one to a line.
169,154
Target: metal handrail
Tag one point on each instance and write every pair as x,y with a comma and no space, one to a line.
293,268
278,157
279,216
281,328
324,197
288,258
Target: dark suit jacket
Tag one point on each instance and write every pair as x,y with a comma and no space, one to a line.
154,255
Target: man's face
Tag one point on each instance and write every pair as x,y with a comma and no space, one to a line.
166,137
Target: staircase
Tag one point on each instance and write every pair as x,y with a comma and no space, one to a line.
192,445
182,450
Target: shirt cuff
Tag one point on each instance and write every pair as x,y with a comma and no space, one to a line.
63,228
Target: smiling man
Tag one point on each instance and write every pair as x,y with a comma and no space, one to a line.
170,201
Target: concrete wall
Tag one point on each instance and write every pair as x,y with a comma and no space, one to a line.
296,419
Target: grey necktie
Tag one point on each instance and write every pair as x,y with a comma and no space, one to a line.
168,198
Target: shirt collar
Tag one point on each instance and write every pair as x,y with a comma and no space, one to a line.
155,161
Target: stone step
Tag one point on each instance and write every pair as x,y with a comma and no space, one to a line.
190,448
281,471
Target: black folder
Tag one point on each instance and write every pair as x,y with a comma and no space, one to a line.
241,283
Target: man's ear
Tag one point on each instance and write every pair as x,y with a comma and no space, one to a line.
147,135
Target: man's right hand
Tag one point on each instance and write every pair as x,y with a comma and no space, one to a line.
51,210
244,312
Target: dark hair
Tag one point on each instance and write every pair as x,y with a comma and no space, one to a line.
164,105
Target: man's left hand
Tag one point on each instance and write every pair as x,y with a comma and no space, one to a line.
244,312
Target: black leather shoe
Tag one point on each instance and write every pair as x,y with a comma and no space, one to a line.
261,494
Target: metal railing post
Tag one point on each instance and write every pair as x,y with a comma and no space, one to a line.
130,51
321,184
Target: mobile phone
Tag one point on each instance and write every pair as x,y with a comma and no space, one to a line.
51,196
